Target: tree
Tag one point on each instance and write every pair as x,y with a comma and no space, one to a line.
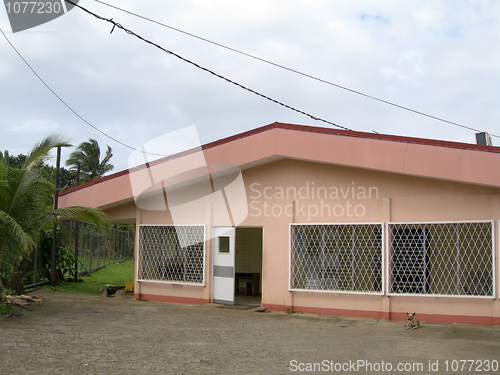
25,205
67,178
13,161
88,156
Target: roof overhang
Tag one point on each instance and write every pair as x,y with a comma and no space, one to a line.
452,161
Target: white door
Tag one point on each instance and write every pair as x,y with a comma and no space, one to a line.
223,265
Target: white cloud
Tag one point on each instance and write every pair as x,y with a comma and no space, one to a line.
38,128
436,57
409,65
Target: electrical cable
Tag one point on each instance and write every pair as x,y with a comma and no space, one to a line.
293,70
130,32
60,99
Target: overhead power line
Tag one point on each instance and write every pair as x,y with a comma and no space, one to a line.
292,70
128,31
67,105
58,97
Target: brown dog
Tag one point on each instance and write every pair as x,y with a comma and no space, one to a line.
413,323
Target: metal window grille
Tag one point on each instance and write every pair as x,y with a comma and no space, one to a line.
337,257
171,253
441,258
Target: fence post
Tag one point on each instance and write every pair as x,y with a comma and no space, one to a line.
70,234
82,243
121,246
91,245
77,224
104,241
97,250
34,275
103,247
109,247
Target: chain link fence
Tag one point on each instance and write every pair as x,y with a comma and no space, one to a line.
95,250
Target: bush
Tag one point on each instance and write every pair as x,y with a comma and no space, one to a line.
65,261
6,309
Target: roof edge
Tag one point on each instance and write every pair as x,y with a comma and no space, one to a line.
306,128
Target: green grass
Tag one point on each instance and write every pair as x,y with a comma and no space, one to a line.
115,274
6,309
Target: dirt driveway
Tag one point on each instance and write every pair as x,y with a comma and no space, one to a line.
77,334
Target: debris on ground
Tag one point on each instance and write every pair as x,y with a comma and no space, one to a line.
122,293
261,309
116,291
23,300
129,286
110,290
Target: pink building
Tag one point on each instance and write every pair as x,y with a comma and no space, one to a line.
316,220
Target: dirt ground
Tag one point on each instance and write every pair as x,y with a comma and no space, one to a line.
78,334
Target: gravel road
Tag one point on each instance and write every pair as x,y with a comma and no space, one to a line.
79,334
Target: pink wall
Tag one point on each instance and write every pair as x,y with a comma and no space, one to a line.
411,199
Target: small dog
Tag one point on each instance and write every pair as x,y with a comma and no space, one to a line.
413,323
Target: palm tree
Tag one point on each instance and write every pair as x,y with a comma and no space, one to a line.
88,156
25,205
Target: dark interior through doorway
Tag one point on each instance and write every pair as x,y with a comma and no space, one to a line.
248,266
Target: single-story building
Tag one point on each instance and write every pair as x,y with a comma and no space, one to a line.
316,220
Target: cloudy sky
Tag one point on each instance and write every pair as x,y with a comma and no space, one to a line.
441,58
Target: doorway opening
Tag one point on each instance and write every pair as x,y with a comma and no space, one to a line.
248,266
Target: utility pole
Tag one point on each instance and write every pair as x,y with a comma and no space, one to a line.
77,224
54,231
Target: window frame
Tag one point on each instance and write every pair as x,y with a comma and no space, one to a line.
382,269
139,258
388,252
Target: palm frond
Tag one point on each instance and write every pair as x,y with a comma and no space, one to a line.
25,197
40,151
82,213
13,239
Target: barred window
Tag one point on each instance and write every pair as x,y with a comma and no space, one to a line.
441,258
171,253
341,257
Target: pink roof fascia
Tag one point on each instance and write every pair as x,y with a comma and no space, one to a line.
455,161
